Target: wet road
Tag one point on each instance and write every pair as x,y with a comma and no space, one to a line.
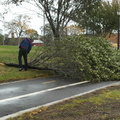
29,94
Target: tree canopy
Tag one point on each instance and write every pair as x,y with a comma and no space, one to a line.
97,16
18,26
56,12
91,15
31,33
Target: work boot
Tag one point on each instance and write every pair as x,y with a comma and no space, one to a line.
20,69
25,69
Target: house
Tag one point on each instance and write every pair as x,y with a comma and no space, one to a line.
113,39
37,43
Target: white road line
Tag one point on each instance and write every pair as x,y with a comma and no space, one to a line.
58,101
43,91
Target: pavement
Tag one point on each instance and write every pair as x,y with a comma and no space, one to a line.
26,95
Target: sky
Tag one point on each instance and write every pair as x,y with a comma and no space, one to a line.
25,9
36,22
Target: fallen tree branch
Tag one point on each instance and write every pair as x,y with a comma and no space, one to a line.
31,67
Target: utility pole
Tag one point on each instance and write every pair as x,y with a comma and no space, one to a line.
118,44
4,27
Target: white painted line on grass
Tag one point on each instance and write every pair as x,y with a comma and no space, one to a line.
58,101
43,91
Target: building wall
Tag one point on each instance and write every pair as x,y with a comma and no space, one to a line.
113,38
37,44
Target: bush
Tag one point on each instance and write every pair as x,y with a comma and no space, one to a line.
86,58
1,39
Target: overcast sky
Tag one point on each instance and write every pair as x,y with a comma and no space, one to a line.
25,9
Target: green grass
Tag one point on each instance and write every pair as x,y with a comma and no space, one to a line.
99,105
9,54
12,74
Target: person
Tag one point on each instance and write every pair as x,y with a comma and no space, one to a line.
24,49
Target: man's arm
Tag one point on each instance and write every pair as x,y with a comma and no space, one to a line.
29,48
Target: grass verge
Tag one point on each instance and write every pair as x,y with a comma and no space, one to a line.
8,74
99,105
9,54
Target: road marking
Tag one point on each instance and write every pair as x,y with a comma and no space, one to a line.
48,82
43,91
54,102
6,83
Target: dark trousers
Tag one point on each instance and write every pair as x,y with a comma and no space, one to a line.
22,53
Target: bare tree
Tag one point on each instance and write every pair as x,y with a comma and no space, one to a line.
56,12
18,26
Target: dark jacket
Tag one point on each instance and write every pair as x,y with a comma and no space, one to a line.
26,44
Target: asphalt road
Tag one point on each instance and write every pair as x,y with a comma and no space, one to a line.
19,97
